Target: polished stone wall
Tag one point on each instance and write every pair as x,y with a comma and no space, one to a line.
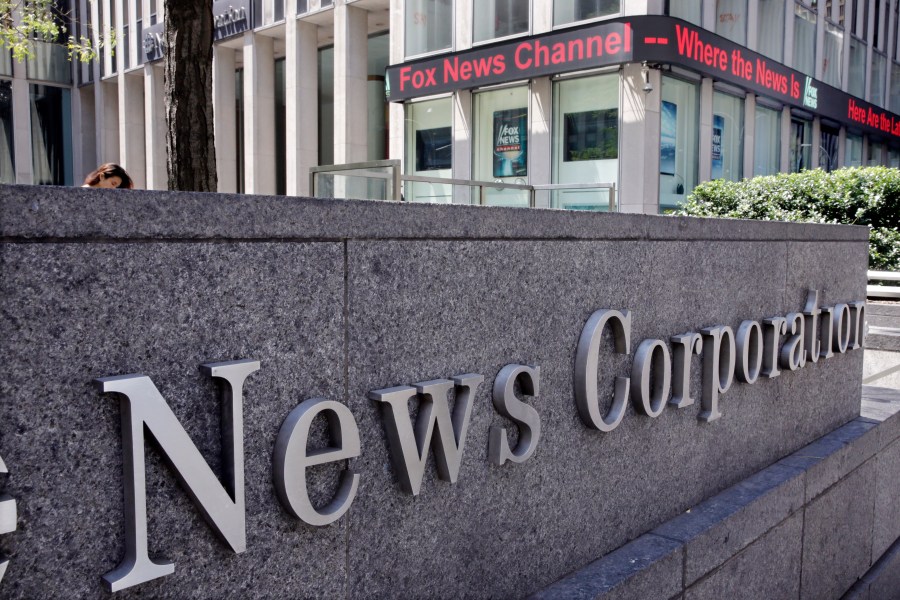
340,298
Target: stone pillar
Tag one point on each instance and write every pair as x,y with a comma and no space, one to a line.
224,99
704,169
302,105
21,102
350,84
462,145
785,165
539,143
638,186
259,114
155,127
816,143
396,113
132,146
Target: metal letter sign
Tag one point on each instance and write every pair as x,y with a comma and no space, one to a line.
409,450
143,406
8,518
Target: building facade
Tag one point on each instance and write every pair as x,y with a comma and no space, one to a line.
651,96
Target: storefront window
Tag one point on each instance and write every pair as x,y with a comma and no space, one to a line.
51,135
833,55
767,143
828,149
6,63
7,149
501,144
585,140
801,145
853,151
280,133
770,30
879,68
429,25
689,10
893,158
326,106
875,154
727,137
679,141
856,82
570,11
731,20
895,87
501,18
804,40
429,149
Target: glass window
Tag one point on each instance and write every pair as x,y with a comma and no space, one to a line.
326,106
804,40
279,10
689,10
49,63
302,6
429,25
801,145
856,83
894,158
569,11
767,142
828,149
429,149
879,68
853,151
379,57
727,137
500,18
679,141
833,55
51,135
585,140
7,149
895,87
770,31
731,20
501,143
875,154
6,63
280,133
239,127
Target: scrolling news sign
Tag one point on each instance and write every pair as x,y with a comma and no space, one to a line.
655,39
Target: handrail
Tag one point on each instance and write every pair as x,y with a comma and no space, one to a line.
889,292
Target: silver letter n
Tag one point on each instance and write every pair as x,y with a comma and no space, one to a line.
142,405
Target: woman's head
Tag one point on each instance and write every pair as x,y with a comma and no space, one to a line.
109,175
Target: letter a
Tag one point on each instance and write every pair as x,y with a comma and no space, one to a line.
143,406
409,450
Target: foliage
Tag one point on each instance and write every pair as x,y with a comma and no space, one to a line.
855,196
39,21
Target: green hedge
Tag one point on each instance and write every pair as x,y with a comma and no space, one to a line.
857,196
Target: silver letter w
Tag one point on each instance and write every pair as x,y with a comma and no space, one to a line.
142,405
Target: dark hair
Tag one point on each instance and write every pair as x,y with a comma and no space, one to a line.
107,170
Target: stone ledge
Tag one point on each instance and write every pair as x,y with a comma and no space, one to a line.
882,406
883,338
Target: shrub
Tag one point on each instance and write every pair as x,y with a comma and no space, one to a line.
856,196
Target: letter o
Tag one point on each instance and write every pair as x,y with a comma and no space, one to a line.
655,354
749,342
841,325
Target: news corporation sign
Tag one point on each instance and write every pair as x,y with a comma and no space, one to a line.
659,378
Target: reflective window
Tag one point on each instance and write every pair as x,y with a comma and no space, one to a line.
878,74
895,87
856,82
280,132
801,145
770,30
7,149
679,141
378,59
731,20
51,135
828,149
569,11
6,63
429,25
875,154
767,142
727,137
894,158
804,40
500,18
585,140
239,128
689,10
853,151
501,143
326,106
833,55
429,149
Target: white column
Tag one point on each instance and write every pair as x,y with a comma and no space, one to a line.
749,134
131,127
155,128
224,99
463,126
259,114
789,33
785,165
819,67
638,187
752,24
21,103
542,15
350,83
396,123
462,35
704,171
539,143
301,103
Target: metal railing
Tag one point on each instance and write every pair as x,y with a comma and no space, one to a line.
381,180
883,292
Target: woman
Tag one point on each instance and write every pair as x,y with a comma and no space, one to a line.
108,175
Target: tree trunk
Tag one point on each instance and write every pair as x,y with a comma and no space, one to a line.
190,142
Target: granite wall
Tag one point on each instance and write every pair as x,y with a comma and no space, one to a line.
340,298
